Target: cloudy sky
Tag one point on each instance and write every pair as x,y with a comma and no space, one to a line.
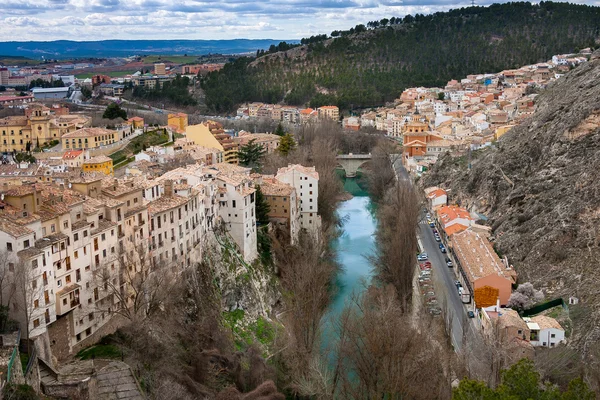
197,19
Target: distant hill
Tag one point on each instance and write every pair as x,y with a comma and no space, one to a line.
61,49
367,67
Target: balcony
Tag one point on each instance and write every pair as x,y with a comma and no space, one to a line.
67,299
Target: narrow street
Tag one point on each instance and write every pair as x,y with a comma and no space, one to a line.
443,276
445,284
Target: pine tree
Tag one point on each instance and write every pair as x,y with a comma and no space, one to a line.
262,208
287,144
113,110
279,131
251,154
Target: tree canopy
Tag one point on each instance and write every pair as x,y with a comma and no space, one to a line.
113,111
251,154
287,144
423,50
521,382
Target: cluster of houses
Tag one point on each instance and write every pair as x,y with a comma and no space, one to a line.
287,114
464,115
487,280
72,237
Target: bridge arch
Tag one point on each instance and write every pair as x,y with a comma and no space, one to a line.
350,163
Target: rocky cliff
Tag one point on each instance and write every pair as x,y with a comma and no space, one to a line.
540,189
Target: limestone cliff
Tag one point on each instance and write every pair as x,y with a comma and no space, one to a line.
540,189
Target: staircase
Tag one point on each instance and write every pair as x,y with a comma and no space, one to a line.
116,381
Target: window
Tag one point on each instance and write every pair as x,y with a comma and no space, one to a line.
8,246
76,254
26,244
519,332
78,275
34,263
103,237
552,335
84,233
34,284
52,228
64,302
58,283
36,303
66,224
91,316
75,237
87,268
36,322
68,279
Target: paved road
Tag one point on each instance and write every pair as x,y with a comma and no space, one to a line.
445,277
401,172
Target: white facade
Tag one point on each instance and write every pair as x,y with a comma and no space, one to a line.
306,182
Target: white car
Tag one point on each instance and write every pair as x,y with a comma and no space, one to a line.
422,257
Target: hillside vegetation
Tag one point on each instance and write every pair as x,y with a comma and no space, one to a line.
367,67
540,190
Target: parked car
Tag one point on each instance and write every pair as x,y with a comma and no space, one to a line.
443,250
437,239
422,257
428,216
457,284
449,262
431,224
471,314
435,232
441,245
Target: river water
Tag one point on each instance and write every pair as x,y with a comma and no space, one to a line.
352,247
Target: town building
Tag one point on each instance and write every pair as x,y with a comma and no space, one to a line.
483,274
178,121
160,69
101,164
306,182
89,138
50,93
329,112
268,141
284,205
39,126
111,89
545,331
210,134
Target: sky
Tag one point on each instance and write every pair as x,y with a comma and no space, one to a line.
22,20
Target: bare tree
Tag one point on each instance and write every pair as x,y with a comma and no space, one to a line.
381,172
396,235
134,284
26,294
383,354
306,278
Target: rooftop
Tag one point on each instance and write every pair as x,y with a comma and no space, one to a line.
477,256
88,132
545,322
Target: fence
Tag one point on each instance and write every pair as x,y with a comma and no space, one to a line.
543,307
14,357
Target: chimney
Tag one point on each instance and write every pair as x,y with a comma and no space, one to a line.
168,188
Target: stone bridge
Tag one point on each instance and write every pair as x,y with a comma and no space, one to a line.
352,162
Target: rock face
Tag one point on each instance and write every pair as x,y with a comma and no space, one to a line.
540,189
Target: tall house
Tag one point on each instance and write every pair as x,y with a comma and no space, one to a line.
237,205
329,112
160,69
284,204
211,134
306,182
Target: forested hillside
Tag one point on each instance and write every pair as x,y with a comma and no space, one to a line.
367,67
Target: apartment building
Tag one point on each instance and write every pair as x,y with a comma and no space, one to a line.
237,211
329,112
306,182
212,135
284,204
